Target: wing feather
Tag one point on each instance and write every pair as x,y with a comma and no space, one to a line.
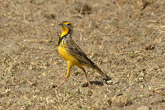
77,52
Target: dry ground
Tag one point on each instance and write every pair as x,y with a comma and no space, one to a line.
126,38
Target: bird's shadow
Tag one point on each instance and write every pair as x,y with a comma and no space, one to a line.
99,83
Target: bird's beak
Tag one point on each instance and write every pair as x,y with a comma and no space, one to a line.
61,24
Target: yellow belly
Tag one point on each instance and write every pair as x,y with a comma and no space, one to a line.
66,56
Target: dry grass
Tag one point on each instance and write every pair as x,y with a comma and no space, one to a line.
124,37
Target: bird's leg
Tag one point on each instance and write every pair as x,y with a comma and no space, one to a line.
67,74
89,84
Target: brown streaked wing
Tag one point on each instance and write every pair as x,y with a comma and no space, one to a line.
77,52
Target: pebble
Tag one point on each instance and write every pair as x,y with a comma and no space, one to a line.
143,108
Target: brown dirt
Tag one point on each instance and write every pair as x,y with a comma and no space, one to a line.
126,38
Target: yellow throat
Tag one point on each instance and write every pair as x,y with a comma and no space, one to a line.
65,31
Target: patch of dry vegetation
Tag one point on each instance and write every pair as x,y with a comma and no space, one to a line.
124,37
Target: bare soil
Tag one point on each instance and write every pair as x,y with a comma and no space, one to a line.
126,38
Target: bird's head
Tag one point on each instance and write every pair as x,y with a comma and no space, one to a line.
66,28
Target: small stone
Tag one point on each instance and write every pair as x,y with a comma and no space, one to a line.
149,47
110,82
143,108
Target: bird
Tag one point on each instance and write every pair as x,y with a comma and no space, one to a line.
73,54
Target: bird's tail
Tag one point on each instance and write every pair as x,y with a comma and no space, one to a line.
105,77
